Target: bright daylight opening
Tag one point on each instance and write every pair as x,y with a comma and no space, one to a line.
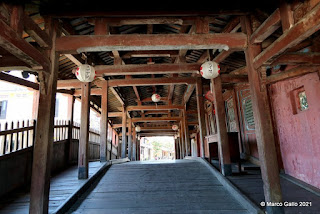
157,148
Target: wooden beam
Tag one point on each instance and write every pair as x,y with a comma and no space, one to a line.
263,128
73,59
294,72
154,119
68,84
83,160
232,78
159,128
130,139
19,81
154,107
39,35
150,81
104,123
286,13
308,25
124,131
223,142
147,54
93,43
222,56
141,69
42,149
269,26
114,114
13,43
201,115
298,58
117,95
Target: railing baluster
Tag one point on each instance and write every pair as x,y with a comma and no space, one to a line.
16,143
27,143
5,143
10,145
22,137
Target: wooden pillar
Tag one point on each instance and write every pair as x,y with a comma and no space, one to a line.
134,144
124,132
40,179
68,150
138,147
223,144
263,128
35,104
83,158
180,148
182,140
130,139
104,122
186,133
201,115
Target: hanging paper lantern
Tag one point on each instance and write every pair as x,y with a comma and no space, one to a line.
138,129
85,73
210,70
155,98
175,137
175,127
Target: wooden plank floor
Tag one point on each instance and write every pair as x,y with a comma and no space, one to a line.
252,186
62,186
181,186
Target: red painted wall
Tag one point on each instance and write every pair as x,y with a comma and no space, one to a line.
299,134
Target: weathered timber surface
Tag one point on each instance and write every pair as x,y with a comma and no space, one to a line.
252,186
181,186
62,186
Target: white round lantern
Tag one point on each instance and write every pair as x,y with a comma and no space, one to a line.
210,70
175,127
175,137
155,98
138,129
85,73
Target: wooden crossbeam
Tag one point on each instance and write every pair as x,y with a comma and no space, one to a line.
154,107
39,35
159,128
13,43
115,114
270,25
117,95
18,81
158,53
222,56
68,84
154,119
150,81
93,43
298,58
308,25
140,69
294,72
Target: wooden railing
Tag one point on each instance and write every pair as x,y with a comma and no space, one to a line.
94,135
16,136
20,135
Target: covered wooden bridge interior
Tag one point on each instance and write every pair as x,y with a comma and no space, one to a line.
263,107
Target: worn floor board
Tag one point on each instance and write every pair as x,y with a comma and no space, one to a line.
61,187
252,186
182,186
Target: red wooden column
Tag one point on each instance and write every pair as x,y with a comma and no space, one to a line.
68,150
124,132
134,144
130,140
83,166
201,115
186,132
138,147
263,128
104,122
40,179
223,144
182,140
